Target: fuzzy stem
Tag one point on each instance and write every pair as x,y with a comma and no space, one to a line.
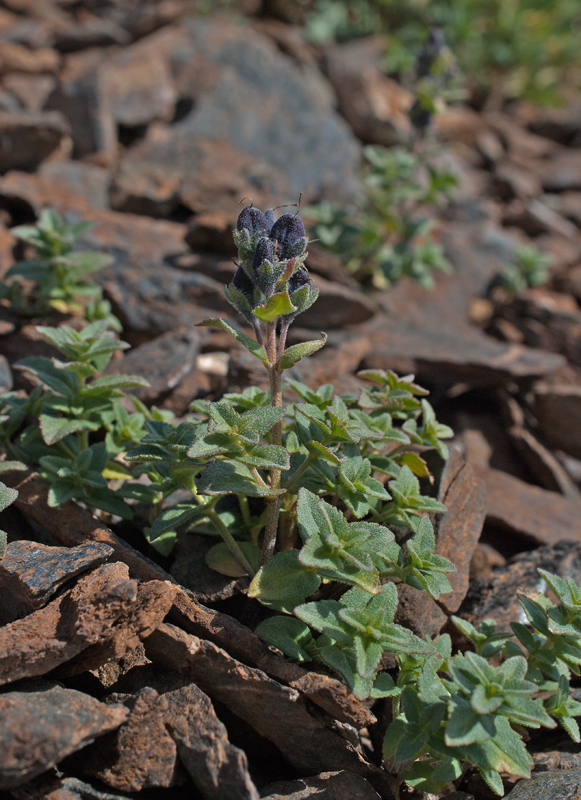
244,508
273,510
231,543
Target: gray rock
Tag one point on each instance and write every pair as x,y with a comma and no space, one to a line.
62,789
326,786
27,138
558,785
248,99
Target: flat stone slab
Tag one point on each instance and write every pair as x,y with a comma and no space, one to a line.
326,786
539,515
31,573
43,723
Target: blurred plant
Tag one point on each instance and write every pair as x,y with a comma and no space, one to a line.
529,268
525,49
387,238
388,235
50,428
57,273
7,496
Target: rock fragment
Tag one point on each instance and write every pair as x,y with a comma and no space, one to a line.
326,786
141,753
31,573
43,722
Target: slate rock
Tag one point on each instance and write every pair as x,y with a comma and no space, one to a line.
164,363
375,106
558,785
428,333
70,525
192,572
31,573
458,530
336,307
140,753
151,301
557,409
227,632
154,600
257,102
218,768
326,786
6,380
27,138
496,597
56,633
42,722
49,788
281,716
538,515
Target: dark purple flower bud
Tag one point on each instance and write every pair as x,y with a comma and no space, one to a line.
265,249
254,221
300,277
244,285
287,230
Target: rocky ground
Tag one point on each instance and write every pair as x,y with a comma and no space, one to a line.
125,675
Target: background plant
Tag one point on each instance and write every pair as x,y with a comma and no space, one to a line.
529,267
55,279
388,234
72,403
525,49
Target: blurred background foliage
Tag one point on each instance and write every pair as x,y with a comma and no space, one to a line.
509,49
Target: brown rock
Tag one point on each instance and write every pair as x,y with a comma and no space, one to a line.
496,597
17,58
458,530
418,612
375,106
27,138
163,362
281,716
543,464
326,786
140,754
513,180
191,571
563,173
139,620
54,634
336,307
535,217
71,525
42,723
31,573
227,632
557,784
533,513
31,90
48,787
427,333
217,768
557,409
517,139
329,266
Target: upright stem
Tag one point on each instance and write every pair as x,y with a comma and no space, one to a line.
231,543
273,510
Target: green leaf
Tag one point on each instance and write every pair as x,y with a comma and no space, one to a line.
279,305
289,635
228,477
171,518
54,429
249,344
292,355
7,496
324,617
220,558
466,726
62,382
284,582
107,500
164,543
